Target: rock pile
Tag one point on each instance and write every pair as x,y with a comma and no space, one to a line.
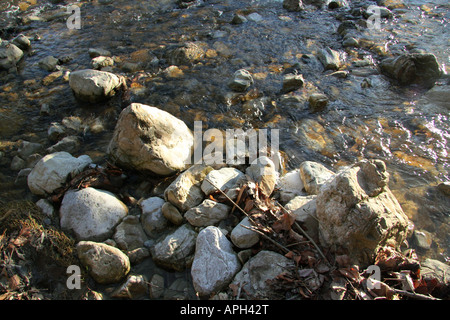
197,222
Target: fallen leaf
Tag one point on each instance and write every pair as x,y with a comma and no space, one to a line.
283,223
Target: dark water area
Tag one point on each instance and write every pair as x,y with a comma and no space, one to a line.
368,116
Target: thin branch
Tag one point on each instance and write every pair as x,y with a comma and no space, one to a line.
414,295
254,229
306,235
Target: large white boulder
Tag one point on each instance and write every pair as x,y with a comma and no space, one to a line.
91,214
53,170
149,139
357,212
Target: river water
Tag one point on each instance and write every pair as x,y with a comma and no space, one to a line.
368,116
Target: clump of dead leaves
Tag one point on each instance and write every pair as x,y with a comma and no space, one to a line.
392,276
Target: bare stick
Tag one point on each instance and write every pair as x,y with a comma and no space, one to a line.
267,237
306,235
234,203
414,295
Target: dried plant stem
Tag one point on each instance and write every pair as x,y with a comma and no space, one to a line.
286,250
306,235
414,295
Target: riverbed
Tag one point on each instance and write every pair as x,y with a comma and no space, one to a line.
368,116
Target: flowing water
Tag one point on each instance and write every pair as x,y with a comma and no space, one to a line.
368,116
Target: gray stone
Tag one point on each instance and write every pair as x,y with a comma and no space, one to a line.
52,171
22,42
176,251
48,63
292,82
290,185
156,286
134,287
304,210
129,234
101,62
241,81
263,172
314,175
410,68
152,219
329,58
215,263
255,273
46,207
293,5
208,213
225,179
94,85
10,55
96,52
28,148
151,140
91,214
171,213
185,191
317,102
242,237
106,264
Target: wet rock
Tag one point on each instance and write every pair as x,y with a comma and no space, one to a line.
422,239
97,52
238,19
329,58
304,210
101,62
292,82
52,171
56,131
444,187
106,264
156,286
215,263
290,185
410,68
255,17
91,214
357,211
48,63
134,287
94,85
176,251
186,54
149,139
385,13
152,219
263,172
185,191
314,175
138,255
46,207
10,55
129,234
392,4
225,179
17,163
22,42
207,213
335,4
241,81
242,237
317,102
439,95
171,213
293,5
254,276
70,144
